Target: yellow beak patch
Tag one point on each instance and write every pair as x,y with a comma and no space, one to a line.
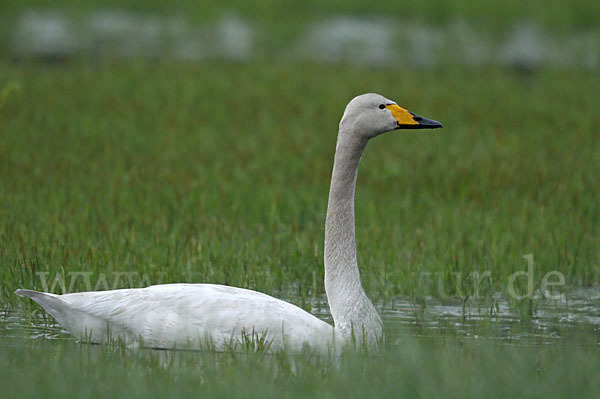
402,116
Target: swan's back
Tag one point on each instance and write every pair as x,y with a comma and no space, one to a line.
185,316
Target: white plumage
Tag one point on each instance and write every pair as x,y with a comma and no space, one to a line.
184,316
200,315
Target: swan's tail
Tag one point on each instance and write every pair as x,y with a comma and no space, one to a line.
84,326
50,302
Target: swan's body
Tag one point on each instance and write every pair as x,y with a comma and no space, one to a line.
185,316
194,315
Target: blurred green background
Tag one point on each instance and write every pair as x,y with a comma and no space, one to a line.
193,141
421,32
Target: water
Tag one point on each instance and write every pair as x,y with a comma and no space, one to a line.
14,324
542,322
537,321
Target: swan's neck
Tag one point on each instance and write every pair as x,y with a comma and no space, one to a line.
350,307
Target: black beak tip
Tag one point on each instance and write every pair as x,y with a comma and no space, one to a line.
424,123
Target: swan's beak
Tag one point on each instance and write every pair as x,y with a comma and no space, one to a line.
408,120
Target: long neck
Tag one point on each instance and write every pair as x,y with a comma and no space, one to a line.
349,305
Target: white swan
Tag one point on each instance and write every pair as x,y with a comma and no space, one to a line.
187,315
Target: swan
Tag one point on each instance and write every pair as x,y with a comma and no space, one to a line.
174,316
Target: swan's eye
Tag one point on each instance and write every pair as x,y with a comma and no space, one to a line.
381,106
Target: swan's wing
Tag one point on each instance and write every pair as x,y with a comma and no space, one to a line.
177,315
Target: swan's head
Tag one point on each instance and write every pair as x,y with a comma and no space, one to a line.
370,115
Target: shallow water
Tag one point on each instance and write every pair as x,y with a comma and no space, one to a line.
538,321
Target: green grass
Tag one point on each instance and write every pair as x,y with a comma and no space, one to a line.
222,170
409,369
